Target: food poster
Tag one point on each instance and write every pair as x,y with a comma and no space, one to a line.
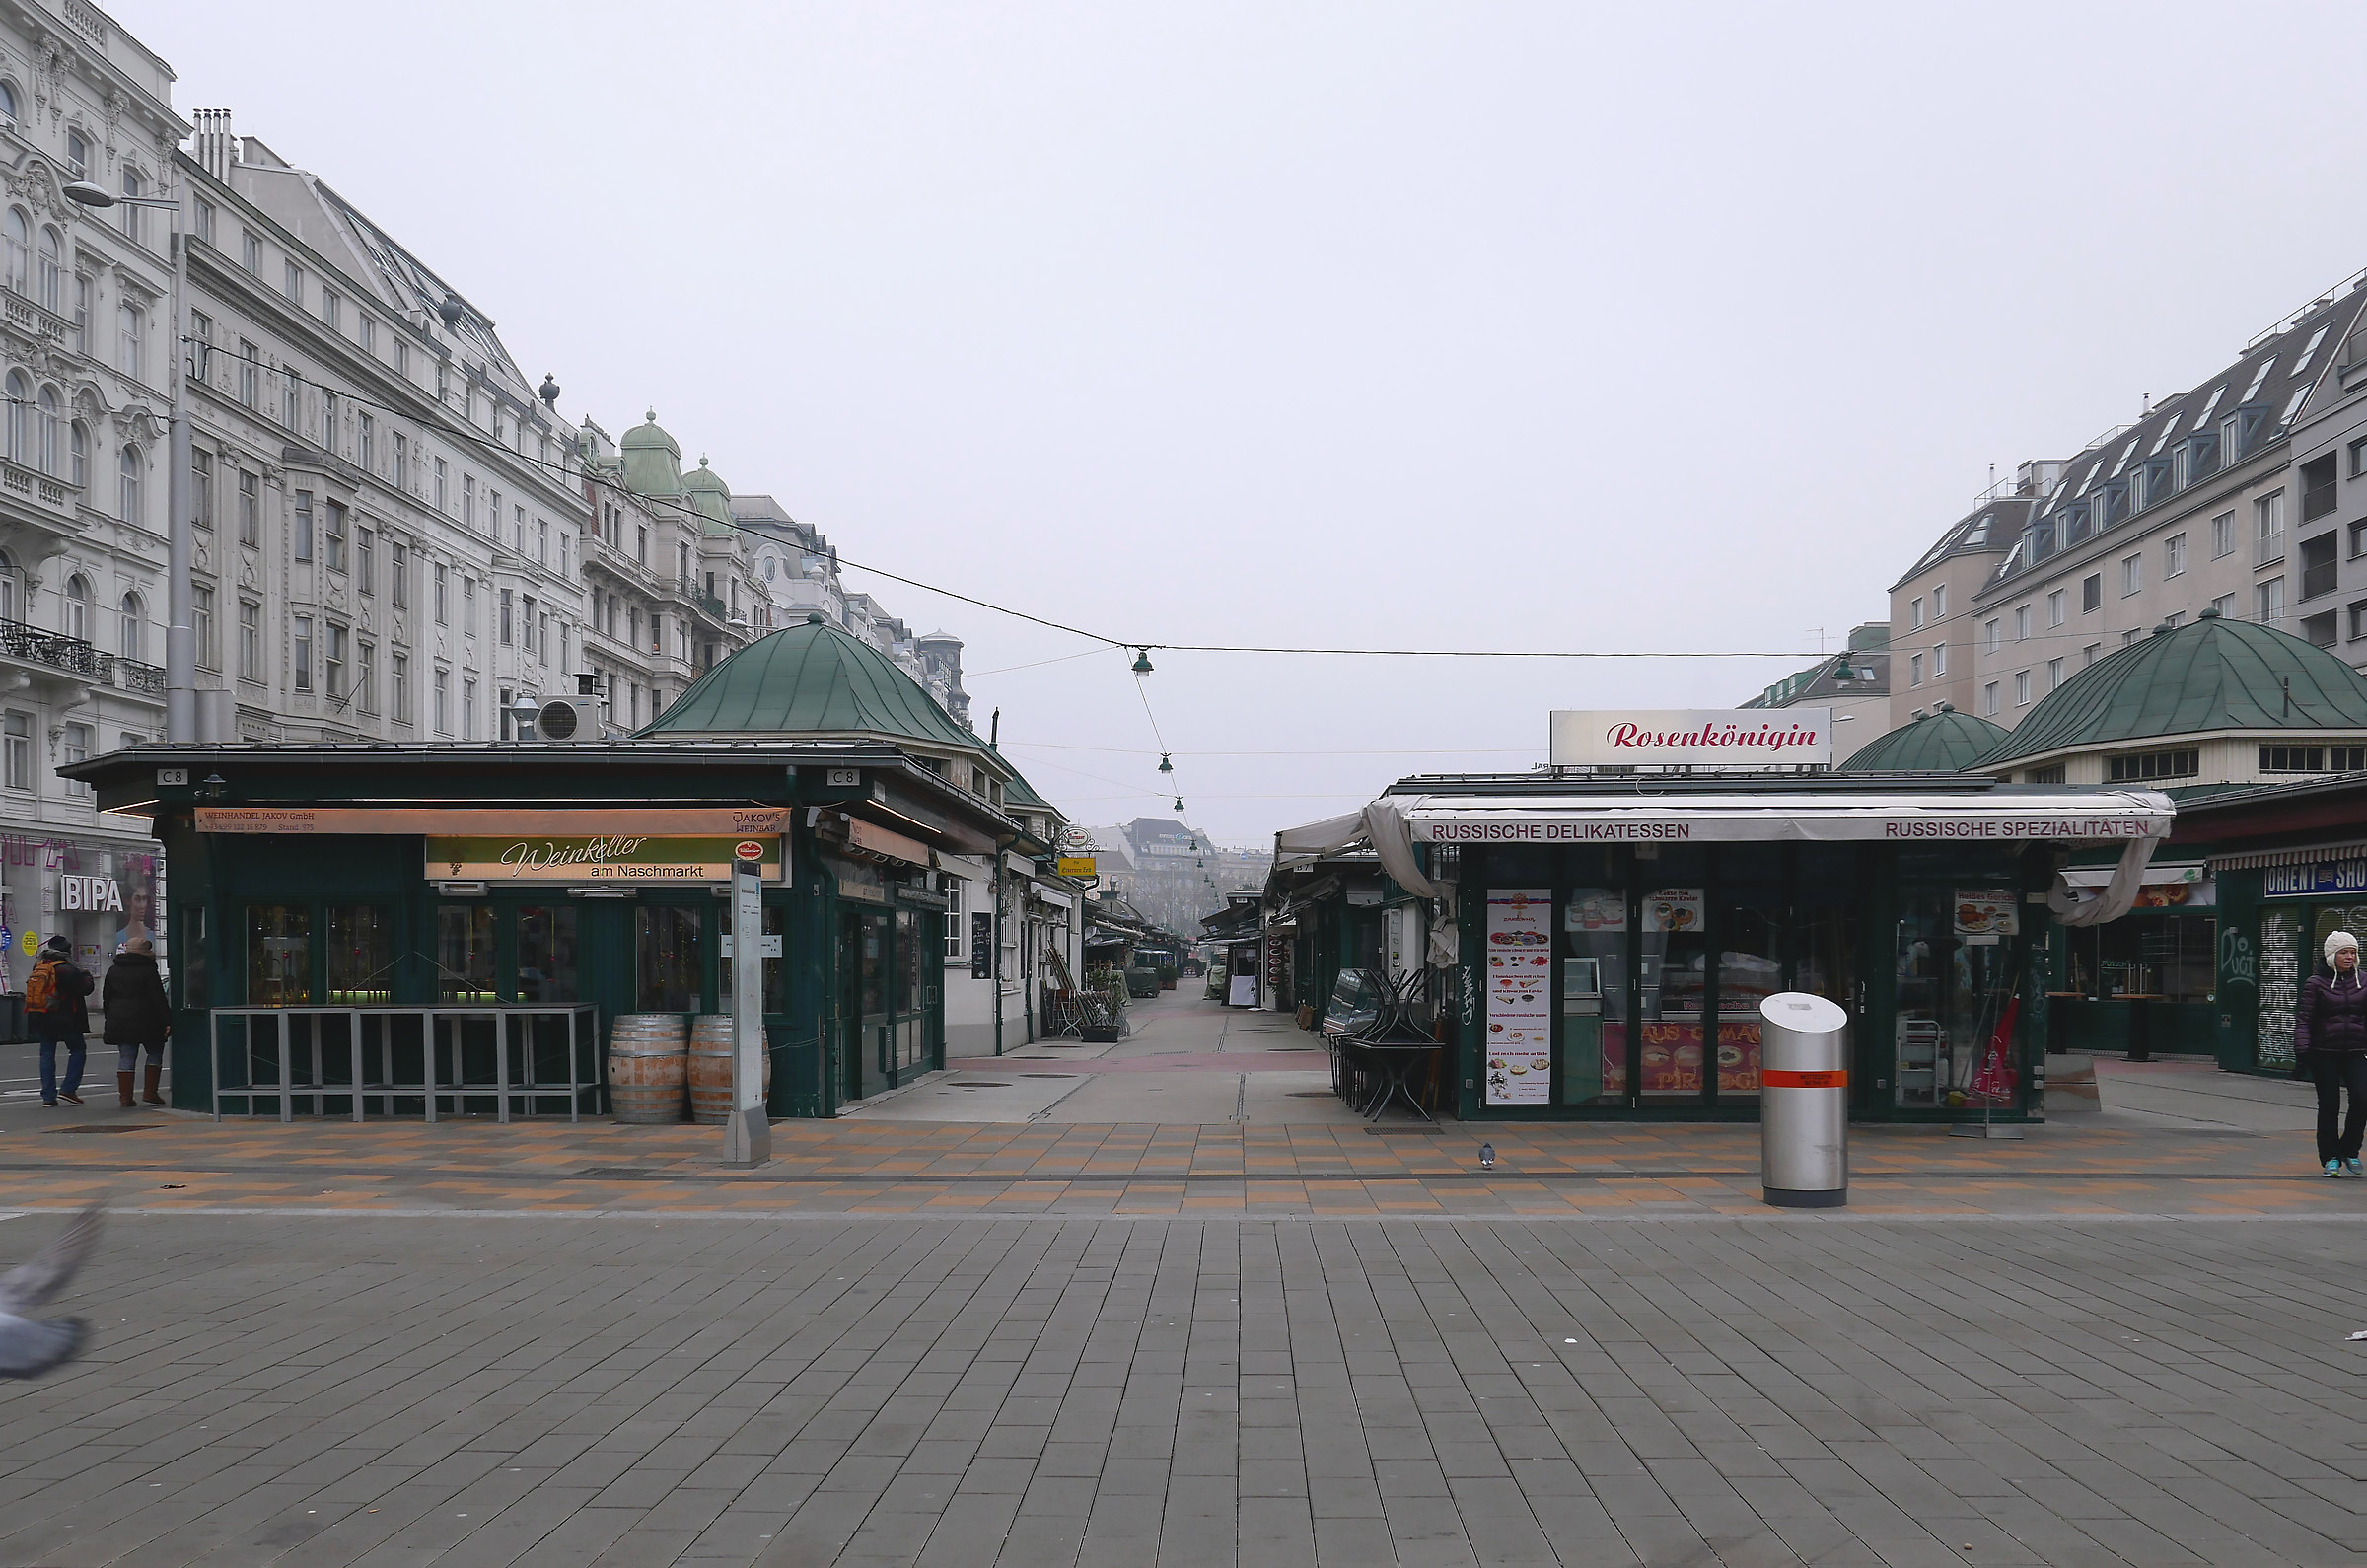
1519,1040
1983,915
1673,909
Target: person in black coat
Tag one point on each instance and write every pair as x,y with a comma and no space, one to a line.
2329,1036
138,1017
64,1020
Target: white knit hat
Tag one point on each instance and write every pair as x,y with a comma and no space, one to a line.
2337,943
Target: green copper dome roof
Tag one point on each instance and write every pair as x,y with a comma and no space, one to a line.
1938,743
2212,674
810,679
710,497
653,461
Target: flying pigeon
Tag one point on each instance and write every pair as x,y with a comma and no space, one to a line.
31,1347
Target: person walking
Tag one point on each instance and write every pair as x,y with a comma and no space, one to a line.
138,1017
55,1008
2329,1034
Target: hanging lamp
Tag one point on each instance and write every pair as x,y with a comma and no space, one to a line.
1165,765
1142,661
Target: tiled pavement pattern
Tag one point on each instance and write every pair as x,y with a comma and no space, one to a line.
886,1167
1172,1393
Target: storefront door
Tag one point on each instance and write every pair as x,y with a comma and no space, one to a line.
1957,952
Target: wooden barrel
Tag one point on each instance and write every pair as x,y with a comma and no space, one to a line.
646,1067
711,1069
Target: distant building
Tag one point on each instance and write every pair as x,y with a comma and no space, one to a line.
1855,683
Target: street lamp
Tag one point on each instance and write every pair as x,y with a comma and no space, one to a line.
180,639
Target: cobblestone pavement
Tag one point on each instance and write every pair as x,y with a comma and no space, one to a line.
1166,1392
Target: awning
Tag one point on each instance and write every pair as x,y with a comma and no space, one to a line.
2298,855
1805,817
2156,875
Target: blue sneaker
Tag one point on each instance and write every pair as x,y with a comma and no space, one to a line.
2333,1169
2351,1165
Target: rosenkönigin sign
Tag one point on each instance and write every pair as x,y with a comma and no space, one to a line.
1738,737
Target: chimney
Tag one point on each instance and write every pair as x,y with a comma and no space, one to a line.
216,148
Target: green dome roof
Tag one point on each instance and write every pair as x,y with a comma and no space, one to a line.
653,461
710,497
810,679
1937,743
2212,674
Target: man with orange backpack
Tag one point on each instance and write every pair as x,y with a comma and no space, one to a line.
54,1006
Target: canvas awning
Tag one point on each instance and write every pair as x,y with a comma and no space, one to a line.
2157,875
1803,816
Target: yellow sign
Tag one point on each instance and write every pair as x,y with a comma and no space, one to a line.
615,857
30,942
1077,866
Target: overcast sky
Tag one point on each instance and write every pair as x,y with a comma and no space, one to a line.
1521,326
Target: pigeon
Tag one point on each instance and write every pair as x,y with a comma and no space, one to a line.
31,1347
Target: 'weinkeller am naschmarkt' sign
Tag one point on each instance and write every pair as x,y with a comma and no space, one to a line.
610,857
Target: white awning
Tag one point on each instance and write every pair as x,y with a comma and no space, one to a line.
2000,818
2156,875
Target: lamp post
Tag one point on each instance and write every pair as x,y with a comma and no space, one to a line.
180,638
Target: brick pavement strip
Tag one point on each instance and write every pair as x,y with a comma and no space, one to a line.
1015,1391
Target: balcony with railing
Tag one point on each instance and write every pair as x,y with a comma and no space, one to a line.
133,675
25,316
707,602
51,497
51,650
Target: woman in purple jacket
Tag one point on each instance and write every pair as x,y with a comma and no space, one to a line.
2329,1034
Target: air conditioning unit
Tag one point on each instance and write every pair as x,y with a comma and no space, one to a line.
571,721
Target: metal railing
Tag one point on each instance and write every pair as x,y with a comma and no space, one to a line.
59,652
133,675
431,1061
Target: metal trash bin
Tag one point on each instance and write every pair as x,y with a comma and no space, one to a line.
1802,1102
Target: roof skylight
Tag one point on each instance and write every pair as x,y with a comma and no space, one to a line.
2294,407
2258,377
2316,338
2209,409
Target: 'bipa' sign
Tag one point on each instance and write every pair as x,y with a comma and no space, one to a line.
89,894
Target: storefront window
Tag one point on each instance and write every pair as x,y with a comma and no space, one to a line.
907,990
1749,931
279,955
361,955
1955,953
464,953
667,944
1594,995
1675,988
546,955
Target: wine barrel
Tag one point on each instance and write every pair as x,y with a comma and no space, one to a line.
646,1067
711,1069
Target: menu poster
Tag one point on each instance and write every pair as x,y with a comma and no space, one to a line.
1991,913
1518,1047
1673,909
1596,909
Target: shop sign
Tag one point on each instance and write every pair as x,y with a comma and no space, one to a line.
1749,737
1983,915
525,822
2309,881
89,895
880,841
1078,866
1517,1044
613,857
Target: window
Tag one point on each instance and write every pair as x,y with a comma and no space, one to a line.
399,575
2318,629
1939,658
304,525
505,618
135,219
328,421
129,467
1939,602
2021,623
131,628
76,743
402,459
2268,600
641,543
365,680
2133,574
332,535
304,653
1988,634
2128,637
467,708
17,734
2358,619
542,542
77,445
365,558
2174,556
2358,540
1914,613
468,499
201,627
332,659
51,273
131,356
2225,606
82,316
78,155
1988,699
201,487
291,282
291,398
2054,607
2055,673
467,606
2044,775
250,508
2021,687
205,221
443,700
2223,534
2087,654
2317,487
443,486
365,441
2312,758
443,595
2141,765
333,310
399,682
17,273
251,639
1914,670
2318,566
2268,527
250,252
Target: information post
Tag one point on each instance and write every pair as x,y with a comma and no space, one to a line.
748,1133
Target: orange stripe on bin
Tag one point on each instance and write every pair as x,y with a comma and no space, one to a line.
1774,1077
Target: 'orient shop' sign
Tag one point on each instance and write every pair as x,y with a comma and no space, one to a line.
1743,737
610,858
